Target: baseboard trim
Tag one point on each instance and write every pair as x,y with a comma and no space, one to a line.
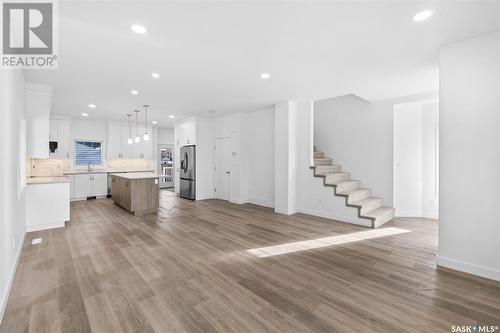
340,218
261,202
5,297
466,267
45,226
427,215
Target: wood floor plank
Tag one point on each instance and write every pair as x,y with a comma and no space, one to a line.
187,269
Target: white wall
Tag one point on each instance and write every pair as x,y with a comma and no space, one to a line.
430,160
12,177
204,159
165,136
358,135
469,121
260,134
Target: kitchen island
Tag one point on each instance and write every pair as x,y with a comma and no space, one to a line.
137,192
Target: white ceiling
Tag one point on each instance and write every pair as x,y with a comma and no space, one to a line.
210,55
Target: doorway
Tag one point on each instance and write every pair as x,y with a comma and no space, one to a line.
223,169
416,159
166,166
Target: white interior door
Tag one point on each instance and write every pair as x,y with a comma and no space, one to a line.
223,169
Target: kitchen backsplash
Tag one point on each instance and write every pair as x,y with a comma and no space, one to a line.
122,164
50,167
47,167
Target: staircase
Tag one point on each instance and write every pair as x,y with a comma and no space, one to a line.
370,208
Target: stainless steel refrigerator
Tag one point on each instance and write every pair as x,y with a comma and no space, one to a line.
188,172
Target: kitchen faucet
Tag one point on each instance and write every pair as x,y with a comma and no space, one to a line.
90,167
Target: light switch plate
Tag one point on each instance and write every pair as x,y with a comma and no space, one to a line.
36,241
156,181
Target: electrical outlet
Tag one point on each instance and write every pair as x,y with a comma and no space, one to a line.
36,241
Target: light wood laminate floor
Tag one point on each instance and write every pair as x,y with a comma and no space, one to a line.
187,269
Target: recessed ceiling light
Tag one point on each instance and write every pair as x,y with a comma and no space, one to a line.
171,116
139,29
154,122
423,15
265,76
92,106
155,75
134,92
85,114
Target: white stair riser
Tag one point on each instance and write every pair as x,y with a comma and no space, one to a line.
383,219
326,161
349,186
319,154
358,196
326,169
371,206
334,178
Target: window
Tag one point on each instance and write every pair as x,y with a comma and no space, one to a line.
88,152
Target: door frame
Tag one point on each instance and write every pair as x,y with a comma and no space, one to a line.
158,154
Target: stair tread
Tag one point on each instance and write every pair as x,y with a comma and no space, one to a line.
366,201
344,182
350,192
381,211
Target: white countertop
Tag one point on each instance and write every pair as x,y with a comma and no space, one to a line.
85,171
137,175
47,180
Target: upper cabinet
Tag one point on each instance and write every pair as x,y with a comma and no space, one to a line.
118,146
117,142
184,132
59,132
37,104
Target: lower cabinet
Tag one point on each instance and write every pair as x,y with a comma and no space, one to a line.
89,185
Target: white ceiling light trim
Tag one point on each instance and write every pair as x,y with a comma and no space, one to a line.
423,15
138,29
155,75
171,116
265,76
92,106
85,114
134,92
154,122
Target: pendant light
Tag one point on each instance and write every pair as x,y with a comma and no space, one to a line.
146,135
137,138
129,140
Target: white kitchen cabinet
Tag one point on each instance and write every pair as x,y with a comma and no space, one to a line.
59,132
142,149
53,129
83,186
90,185
71,186
47,206
118,146
99,184
64,140
37,105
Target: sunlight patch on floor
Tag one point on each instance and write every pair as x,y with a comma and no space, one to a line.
317,243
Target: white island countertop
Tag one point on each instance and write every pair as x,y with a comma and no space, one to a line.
137,175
